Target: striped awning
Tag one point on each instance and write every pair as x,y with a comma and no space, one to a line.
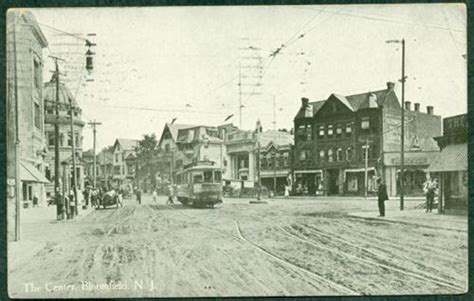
451,158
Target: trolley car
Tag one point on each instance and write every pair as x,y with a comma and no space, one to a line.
199,184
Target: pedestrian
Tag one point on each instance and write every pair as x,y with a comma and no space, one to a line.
138,193
155,196
35,202
120,197
170,195
72,204
429,189
287,191
382,196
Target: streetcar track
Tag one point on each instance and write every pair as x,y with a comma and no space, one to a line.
312,274
420,276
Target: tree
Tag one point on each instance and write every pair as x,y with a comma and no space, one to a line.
146,163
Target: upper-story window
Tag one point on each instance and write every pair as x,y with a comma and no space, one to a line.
37,73
264,163
321,156
303,155
37,116
116,158
285,159
304,132
50,138
330,156
339,155
348,129
339,130
69,139
365,123
349,154
321,131
330,130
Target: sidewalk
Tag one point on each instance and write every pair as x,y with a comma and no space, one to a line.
418,217
39,228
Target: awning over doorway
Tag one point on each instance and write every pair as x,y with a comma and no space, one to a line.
29,173
451,158
308,171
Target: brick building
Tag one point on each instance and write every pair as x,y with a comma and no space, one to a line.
340,139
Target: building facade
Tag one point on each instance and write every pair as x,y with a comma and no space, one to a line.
24,111
67,104
123,175
245,149
450,165
343,143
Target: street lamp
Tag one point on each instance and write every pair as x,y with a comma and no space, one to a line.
402,143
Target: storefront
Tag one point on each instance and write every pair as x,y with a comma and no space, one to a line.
308,182
450,168
32,181
415,171
278,178
354,181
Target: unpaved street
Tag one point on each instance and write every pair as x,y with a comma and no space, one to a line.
285,247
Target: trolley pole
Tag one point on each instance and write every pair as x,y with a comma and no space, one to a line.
402,144
73,149
94,131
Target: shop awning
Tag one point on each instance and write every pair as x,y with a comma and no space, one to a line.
29,173
308,171
357,170
451,158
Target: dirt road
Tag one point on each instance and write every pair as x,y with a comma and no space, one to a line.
285,247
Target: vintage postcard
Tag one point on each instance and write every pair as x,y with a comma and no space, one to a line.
311,150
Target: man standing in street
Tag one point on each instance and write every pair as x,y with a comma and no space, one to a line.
382,196
138,192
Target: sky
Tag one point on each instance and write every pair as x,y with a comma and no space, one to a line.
154,64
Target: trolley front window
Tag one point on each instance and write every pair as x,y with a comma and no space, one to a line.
217,176
197,178
208,176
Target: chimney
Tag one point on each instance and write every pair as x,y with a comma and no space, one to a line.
390,86
407,105
429,110
417,107
304,101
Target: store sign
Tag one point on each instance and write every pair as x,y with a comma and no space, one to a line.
411,161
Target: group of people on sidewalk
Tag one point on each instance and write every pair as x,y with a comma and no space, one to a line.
430,188
170,192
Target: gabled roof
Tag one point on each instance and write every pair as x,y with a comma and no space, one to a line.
126,144
175,127
353,102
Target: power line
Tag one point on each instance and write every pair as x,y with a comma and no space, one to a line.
158,110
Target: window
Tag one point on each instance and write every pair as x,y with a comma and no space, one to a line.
330,156
197,178
208,176
277,161
348,129
339,155
281,160
51,139
309,132
77,140
339,130
321,131
285,159
330,130
270,162
37,116
48,173
321,156
61,139
264,163
349,154
69,139
116,158
37,73
217,176
365,123
364,152
301,132
302,156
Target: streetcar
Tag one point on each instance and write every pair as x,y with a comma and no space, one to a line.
199,184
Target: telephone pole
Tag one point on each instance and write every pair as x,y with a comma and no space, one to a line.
240,96
94,131
17,139
402,147
366,147
73,149
59,203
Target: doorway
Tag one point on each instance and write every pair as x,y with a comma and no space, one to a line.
332,176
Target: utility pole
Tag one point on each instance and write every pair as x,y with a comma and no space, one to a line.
240,95
105,172
17,138
259,190
366,147
274,113
274,175
94,131
402,138
402,144
59,207
73,149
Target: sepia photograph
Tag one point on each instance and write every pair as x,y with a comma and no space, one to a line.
237,151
